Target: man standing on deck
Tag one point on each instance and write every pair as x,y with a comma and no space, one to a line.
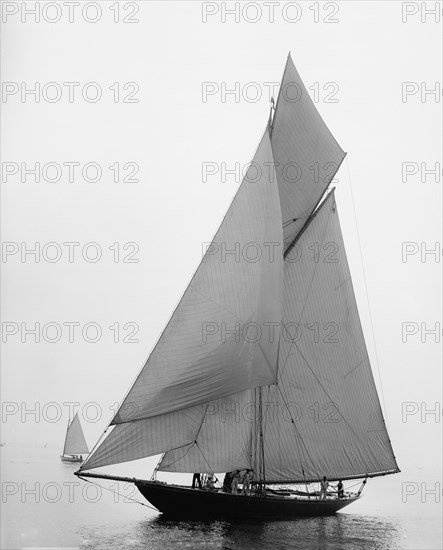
227,482
340,493
324,484
246,482
210,482
196,481
235,481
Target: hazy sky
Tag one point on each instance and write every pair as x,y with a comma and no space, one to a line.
361,60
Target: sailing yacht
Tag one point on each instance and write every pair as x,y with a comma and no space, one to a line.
75,443
263,365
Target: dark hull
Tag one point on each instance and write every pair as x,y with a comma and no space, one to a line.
182,502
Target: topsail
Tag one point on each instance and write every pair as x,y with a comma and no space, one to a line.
296,399
306,154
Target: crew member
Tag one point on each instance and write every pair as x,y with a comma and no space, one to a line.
324,484
340,492
196,480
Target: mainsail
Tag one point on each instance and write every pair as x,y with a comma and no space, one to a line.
326,417
295,400
75,443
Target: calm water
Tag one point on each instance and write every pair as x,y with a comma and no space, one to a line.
46,506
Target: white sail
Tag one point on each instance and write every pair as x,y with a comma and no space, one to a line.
207,437
196,397
147,437
223,443
208,351
75,443
197,358
228,439
305,152
325,416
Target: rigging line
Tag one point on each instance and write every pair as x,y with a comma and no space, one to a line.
262,443
154,473
278,357
295,343
278,436
267,410
333,402
271,129
117,493
190,445
249,452
298,432
266,359
201,423
315,270
288,222
211,470
322,387
255,449
321,201
367,294
268,413
82,467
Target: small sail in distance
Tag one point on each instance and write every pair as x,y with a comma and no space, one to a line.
75,443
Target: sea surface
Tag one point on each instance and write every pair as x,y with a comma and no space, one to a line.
45,506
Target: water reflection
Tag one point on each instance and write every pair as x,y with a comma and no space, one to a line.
344,531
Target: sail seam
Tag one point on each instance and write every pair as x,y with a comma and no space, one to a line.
297,433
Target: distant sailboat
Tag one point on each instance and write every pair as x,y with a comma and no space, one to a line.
297,404
75,443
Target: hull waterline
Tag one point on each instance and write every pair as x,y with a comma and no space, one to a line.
179,501
71,458
183,502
